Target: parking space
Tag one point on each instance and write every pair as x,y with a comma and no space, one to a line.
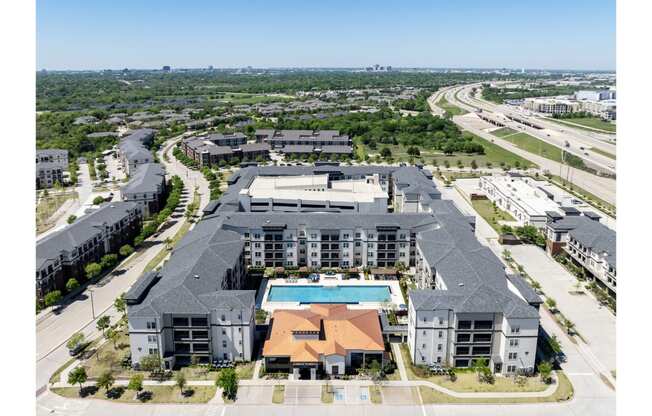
297,394
255,394
399,395
356,394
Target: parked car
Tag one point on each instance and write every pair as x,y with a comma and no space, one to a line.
77,349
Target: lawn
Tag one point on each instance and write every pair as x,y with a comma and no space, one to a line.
451,109
502,132
592,123
491,213
533,145
564,392
278,397
159,394
48,205
467,381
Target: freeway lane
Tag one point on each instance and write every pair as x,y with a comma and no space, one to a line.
602,187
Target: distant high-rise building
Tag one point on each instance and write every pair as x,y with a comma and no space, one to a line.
166,68
210,67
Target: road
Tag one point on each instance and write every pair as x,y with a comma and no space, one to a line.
602,187
52,330
580,142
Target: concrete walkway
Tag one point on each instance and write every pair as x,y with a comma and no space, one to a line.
398,357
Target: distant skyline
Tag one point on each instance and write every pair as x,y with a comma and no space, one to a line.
82,35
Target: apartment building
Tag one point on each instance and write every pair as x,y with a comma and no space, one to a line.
521,197
459,280
321,141
550,105
147,188
64,254
193,306
134,151
588,243
50,167
314,193
215,148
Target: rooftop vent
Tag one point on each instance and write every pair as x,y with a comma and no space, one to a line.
460,284
196,276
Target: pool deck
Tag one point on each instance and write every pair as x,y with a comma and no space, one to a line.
266,284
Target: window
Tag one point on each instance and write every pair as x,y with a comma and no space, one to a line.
483,324
464,325
438,347
223,344
512,355
151,325
199,321
153,351
513,342
180,321
423,346
424,332
516,330
151,339
439,360
511,368
223,318
441,334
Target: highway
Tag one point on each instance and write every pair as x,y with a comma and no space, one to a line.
580,142
602,187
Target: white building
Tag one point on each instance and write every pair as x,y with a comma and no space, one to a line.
550,105
520,197
314,193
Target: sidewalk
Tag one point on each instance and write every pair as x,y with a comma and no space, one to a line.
344,383
398,357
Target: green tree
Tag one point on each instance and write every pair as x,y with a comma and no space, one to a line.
136,384
92,270
105,380
98,200
72,219
103,324
109,260
150,363
52,298
545,371
126,250
75,340
78,376
554,344
386,152
120,304
72,284
180,381
227,379
551,304
113,336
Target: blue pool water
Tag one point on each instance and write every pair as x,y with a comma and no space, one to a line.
329,294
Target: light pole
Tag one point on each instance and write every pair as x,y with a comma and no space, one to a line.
92,305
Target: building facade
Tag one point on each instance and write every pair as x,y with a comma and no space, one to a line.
50,167
64,254
147,188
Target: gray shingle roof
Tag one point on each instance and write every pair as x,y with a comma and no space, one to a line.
147,179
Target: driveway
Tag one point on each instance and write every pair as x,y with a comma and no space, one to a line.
595,323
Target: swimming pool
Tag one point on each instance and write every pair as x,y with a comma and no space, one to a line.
329,294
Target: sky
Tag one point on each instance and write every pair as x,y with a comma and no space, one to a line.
103,34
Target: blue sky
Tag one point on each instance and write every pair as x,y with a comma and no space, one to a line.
552,34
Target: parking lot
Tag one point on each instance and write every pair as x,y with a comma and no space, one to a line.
255,394
296,394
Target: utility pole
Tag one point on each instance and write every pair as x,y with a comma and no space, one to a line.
92,304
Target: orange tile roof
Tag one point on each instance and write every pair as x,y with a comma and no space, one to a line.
344,329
